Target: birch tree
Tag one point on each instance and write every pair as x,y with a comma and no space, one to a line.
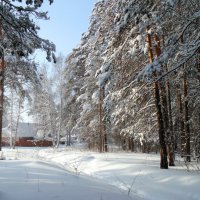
19,36
43,107
58,76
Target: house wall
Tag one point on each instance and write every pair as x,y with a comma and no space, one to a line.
33,143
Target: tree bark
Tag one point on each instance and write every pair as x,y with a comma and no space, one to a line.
180,121
186,120
165,104
2,69
101,127
198,64
163,108
163,148
103,143
161,131
105,139
172,145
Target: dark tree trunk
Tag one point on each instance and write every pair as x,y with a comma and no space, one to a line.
161,131
172,145
163,108
186,120
131,144
181,121
163,148
2,69
166,106
198,64
2,65
105,141
100,124
168,111
103,146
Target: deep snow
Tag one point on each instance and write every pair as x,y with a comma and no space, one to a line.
135,176
35,180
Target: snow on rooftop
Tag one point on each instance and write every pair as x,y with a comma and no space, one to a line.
24,130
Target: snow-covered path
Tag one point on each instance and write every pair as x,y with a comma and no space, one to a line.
35,180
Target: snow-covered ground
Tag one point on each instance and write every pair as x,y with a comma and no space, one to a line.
35,180
90,175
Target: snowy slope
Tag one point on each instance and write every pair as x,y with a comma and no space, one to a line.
31,180
136,175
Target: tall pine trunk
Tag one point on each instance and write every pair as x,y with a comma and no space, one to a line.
2,69
163,148
103,143
165,102
2,64
161,131
198,64
172,142
186,119
100,121
180,120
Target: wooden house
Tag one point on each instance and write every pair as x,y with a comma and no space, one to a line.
26,136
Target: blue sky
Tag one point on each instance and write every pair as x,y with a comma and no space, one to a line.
68,20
